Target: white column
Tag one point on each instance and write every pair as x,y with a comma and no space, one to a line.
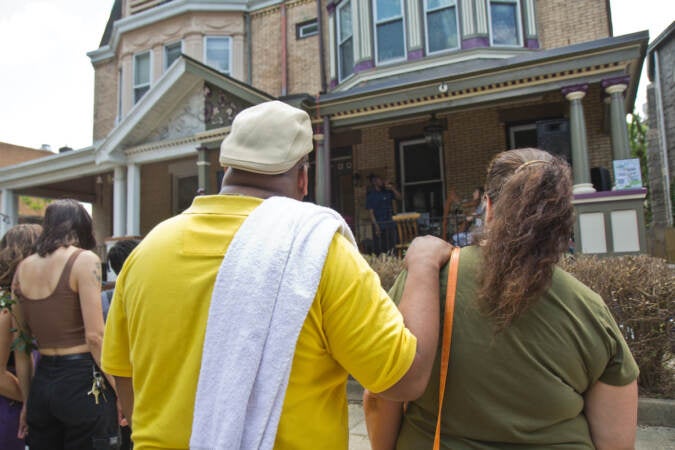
133,200
9,216
120,202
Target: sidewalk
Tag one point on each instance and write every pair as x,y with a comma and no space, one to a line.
648,437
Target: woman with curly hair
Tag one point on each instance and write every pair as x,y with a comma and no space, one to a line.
69,403
16,244
537,360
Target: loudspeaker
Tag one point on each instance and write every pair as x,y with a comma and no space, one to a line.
601,179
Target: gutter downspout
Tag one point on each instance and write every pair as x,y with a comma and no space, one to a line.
249,48
284,49
662,138
322,50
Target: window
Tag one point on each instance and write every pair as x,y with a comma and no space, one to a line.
306,29
389,31
141,75
217,53
421,177
345,40
441,25
505,22
171,53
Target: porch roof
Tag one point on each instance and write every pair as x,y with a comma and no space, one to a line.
160,101
485,80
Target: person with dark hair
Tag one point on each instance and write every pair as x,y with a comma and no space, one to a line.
537,359
69,403
380,203
16,244
117,254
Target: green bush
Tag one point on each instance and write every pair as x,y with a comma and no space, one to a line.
639,292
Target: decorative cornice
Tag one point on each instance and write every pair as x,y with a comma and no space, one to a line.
475,91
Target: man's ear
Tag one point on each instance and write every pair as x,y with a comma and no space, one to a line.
303,181
488,209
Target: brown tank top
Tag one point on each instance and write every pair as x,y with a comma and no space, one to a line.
55,321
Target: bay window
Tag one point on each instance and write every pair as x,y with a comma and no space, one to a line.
389,30
505,22
345,40
441,25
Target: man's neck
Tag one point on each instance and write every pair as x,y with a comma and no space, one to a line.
249,191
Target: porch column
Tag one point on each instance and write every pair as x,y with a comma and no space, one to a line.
620,144
133,200
120,201
322,165
9,216
580,166
203,169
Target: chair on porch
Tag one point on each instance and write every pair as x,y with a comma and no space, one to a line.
406,224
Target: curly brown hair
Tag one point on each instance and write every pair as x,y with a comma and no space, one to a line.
16,244
530,223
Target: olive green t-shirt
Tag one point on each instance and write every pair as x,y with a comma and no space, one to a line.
523,387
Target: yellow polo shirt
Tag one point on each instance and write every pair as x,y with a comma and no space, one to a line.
156,324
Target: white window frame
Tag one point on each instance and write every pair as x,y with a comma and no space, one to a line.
404,184
149,83
519,24
164,52
301,28
339,42
229,62
516,128
426,27
388,20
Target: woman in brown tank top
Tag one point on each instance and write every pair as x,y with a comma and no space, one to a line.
69,403
15,245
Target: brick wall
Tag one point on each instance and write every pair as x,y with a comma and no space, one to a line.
303,64
105,98
472,138
566,22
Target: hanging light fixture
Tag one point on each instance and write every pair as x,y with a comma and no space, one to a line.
433,132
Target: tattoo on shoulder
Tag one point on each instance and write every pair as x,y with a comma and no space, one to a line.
97,273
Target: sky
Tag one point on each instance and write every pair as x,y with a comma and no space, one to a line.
47,80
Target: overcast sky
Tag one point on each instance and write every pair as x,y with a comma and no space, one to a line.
47,81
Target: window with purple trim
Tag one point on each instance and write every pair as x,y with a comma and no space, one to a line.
389,30
505,23
345,41
441,25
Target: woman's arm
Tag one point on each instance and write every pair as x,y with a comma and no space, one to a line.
383,420
9,384
24,365
612,415
87,275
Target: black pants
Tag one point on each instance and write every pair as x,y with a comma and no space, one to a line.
61,416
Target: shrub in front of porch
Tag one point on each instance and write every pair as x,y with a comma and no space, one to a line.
639,292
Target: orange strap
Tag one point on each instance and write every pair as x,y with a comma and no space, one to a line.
447,336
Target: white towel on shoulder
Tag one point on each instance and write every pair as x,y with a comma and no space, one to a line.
264,288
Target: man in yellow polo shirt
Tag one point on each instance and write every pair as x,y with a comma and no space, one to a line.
156,327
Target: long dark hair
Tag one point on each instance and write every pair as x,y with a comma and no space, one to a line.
66,223
531,220
16,244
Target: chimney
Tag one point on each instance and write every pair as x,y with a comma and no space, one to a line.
46,147
65,149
